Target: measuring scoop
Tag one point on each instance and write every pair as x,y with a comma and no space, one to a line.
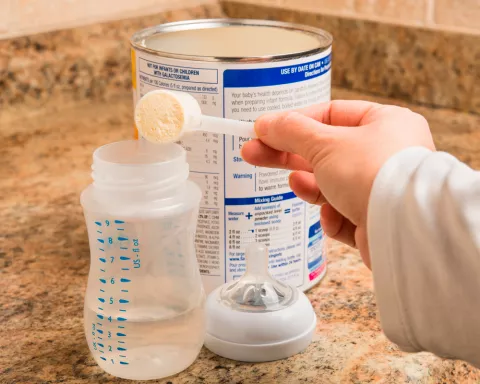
163,116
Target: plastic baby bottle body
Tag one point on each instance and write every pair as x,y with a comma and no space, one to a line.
144,304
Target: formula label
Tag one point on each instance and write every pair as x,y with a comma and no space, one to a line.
242,203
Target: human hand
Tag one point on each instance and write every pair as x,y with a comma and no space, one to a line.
336,150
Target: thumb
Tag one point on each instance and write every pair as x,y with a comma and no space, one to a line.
293,132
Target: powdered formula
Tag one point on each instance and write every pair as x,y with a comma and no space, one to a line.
241,69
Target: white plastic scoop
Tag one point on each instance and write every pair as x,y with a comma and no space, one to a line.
165,116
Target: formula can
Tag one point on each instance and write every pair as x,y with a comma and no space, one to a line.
241,69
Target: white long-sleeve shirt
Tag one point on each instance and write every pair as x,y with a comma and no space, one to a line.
424,240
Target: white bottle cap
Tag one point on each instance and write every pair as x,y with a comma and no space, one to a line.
258,318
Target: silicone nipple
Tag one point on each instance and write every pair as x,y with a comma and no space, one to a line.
257,290
258,318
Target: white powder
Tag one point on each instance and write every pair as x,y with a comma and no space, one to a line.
159,117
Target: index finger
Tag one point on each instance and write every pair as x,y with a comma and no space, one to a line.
347,113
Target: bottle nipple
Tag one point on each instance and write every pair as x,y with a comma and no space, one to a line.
258,318
257,290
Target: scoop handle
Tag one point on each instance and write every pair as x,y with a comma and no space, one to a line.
227,126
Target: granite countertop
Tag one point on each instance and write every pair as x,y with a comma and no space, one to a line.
44,258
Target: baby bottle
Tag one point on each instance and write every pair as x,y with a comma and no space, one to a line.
144,304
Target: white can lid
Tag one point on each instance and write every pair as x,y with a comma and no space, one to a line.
258,318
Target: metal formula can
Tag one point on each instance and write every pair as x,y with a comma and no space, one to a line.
241,69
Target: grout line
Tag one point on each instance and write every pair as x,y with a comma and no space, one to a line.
430,12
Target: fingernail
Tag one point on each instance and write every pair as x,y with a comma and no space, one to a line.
263,124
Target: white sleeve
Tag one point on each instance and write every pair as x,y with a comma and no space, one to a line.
424,241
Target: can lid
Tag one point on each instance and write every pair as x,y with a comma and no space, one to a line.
258,318
232,40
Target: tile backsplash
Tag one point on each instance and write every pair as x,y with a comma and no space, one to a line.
451,15
25,17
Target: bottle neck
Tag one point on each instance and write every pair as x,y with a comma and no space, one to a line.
138,169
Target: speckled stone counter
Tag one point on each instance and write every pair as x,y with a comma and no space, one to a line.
44,261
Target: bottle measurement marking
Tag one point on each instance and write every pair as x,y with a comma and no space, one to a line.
105,297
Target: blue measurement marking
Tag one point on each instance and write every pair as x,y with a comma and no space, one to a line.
98,223
124,290
103,281
124,248
99,232
103,358
102,352
121,319
119,222
125,269
121,334
121,326
100,331
101,345
101,290
101,241
120,229
102,260
101,249
120,238
121,349
123,280
102,270
122,356
100,317
123,301
123,363
100,324
101,338
101,299
121,342
123,310
124,258
101,309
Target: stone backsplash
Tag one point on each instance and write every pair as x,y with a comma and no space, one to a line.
433,68
56,69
